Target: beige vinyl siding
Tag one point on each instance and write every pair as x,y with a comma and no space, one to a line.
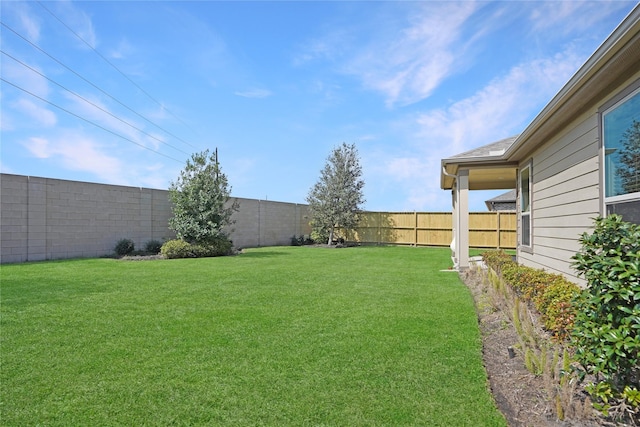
565,197
566,192
562,233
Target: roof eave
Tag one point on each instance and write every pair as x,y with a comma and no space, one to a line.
452,165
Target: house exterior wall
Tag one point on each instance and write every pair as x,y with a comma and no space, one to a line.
565,197
43,218
566,194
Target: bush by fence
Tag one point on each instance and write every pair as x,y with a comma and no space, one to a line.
176,248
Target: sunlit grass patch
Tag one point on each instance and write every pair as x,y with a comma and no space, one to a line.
275,336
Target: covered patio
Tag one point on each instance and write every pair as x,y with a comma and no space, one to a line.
484,168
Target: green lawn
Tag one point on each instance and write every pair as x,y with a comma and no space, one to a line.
276,336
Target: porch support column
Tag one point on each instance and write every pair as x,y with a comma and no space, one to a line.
462,214
454,225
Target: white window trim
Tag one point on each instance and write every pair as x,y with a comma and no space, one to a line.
624,96
622,198
528,248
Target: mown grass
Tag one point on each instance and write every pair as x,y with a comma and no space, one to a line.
275,336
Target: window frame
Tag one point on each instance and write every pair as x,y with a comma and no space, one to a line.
526,246
618,100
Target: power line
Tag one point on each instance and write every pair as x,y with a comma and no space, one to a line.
94,85
113,65
92,103
87,120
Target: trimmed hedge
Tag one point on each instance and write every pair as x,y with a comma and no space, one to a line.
497,259
551,294
176,249
181,249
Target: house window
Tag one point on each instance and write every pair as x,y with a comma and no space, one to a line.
621,138
525,205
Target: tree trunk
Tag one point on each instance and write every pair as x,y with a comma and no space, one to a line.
330,237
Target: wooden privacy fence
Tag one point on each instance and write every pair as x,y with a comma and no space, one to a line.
486,229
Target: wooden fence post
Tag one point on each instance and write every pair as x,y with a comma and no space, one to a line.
415,228
499,230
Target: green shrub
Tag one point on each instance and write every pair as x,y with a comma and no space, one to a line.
180,249
176,249
551,294
153,247
497,260
220,246
606,335
124,247
554,302
318,233
528,282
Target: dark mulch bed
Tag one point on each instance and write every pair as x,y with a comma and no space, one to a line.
518,393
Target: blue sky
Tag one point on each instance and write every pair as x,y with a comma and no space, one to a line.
124,92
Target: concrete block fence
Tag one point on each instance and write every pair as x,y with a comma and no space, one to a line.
44,218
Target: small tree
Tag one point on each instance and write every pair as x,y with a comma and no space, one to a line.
334,201
629,168
606,334
200,198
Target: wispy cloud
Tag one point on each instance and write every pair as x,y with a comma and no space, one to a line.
329,47
79,22
567,16
79,153
123,50
95,111
411,176
404,58
41,115
502,108
22,109
155,175
407,69
29,23
25,78
131,131
254,93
